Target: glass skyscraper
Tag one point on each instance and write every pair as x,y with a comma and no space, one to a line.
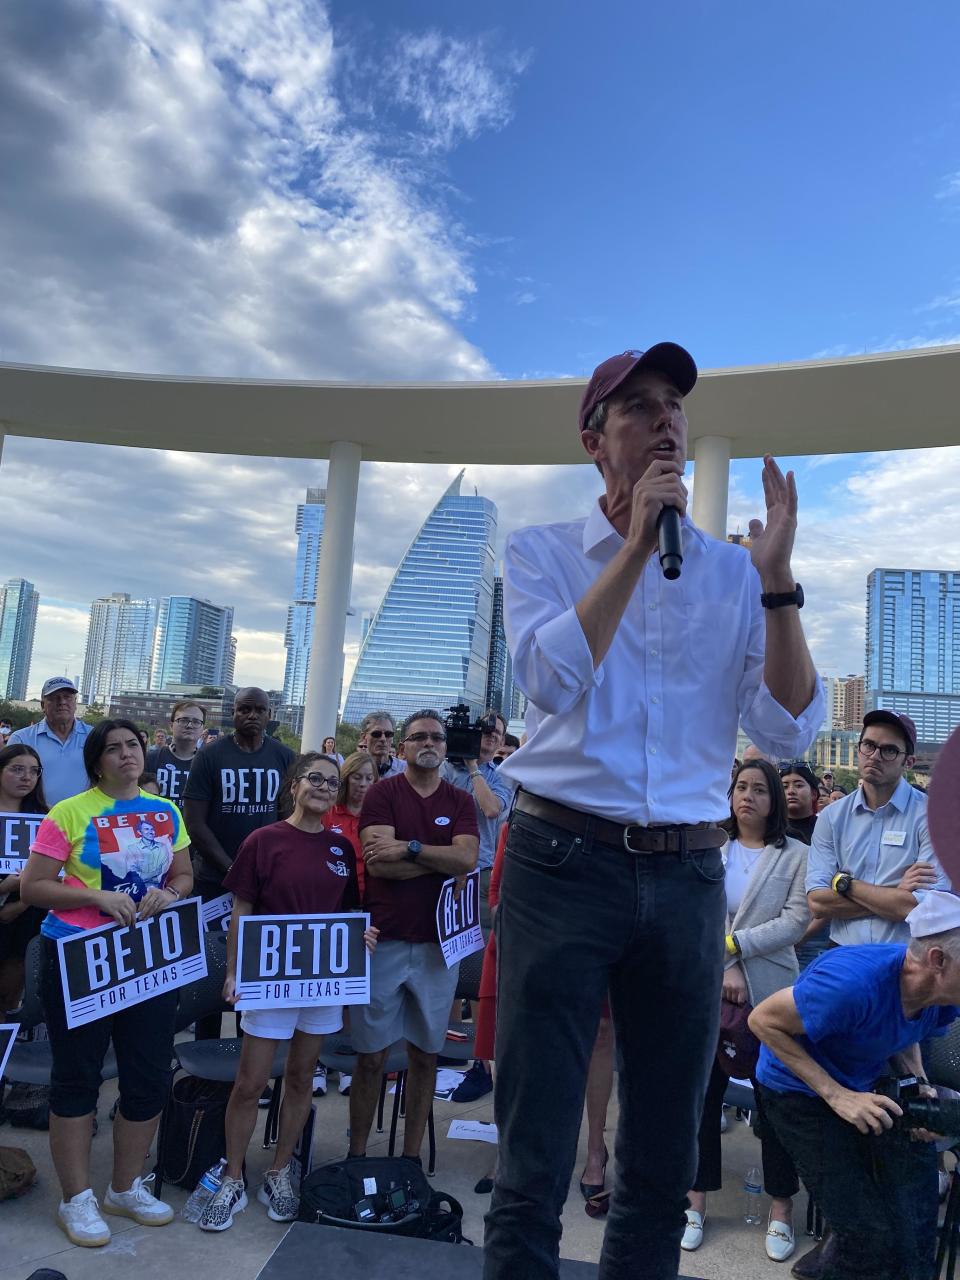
429,642
913,647
298,635
195,644
120,638
18,620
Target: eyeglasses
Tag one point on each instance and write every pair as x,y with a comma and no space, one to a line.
188,720
426,737
320,780
380,733
791,766
24,770
888,752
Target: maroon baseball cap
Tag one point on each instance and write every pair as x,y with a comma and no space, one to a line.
903,723
664,357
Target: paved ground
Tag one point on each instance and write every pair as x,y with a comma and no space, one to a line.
31,1238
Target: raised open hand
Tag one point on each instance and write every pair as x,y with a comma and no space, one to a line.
772,543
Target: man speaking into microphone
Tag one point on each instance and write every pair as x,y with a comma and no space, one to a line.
613,875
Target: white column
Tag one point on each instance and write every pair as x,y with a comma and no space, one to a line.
711,484
334,575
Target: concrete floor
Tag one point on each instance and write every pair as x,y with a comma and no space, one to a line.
30,1237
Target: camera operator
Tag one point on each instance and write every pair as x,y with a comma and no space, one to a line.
854,1015
491,793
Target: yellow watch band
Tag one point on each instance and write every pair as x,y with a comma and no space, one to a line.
833,882
732,948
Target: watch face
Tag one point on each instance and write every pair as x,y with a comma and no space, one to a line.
414,846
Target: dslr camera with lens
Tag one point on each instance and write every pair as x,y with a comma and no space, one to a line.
939,1115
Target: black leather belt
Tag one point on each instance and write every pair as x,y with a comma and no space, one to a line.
634,838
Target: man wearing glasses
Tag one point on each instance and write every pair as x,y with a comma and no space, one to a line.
172,764
871,861
377,733
416,831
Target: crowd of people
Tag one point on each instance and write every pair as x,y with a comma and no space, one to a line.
645,907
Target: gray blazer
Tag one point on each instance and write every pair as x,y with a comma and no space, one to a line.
773,916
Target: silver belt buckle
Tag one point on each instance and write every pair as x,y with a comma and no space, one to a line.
626,836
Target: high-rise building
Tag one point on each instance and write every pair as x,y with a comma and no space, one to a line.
913,648
194,643
120,638
499,666
230,668
18,620
429,642
298,634
852,703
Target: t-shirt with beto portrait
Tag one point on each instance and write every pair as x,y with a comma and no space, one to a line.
122,846
172,772
239,788
406,910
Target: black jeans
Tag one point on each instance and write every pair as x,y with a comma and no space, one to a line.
577,916
879,1194
779,1176
142,1040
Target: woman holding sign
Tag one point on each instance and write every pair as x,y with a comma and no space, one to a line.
21,791
92,838
292,868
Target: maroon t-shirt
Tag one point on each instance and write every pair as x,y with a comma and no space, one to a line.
287,872
406,910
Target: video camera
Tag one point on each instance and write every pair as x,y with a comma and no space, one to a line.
463,738
939,1115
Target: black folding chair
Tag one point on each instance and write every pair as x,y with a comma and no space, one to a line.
943,1069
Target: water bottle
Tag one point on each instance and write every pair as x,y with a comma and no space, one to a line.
203,1193
752,1188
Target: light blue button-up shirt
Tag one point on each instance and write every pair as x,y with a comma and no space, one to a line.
64,774
489,828
874,845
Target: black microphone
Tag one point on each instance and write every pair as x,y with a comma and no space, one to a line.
671,546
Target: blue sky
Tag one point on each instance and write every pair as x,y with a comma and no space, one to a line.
288,188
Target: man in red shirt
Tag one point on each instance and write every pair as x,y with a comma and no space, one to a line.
416,831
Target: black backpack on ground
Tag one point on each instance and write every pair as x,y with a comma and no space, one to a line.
393,1195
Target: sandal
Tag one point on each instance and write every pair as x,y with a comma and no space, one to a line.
591,1189
598,1206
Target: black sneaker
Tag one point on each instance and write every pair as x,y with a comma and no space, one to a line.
266,1097
476,1083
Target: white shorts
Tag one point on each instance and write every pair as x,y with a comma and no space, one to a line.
280,1024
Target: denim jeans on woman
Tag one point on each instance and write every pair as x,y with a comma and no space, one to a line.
577,916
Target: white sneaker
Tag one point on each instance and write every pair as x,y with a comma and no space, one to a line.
230,1200
80,1219
693,1232
139,1203
724,1122
780,1243
277,1194
320,1081
943,1185
345,1081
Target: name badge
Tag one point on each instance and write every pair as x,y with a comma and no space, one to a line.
894,837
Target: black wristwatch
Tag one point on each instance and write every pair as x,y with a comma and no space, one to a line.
842,882
414,849
777,599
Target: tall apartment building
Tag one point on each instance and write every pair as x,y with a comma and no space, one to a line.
913,648
194,644
298,634
120,639
18,619
429,642
499,693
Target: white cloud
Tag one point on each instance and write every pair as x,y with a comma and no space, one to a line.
455,88
188,192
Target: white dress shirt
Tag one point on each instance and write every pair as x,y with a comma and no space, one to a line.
650,735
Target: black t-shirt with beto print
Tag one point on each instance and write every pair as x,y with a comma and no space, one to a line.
239,788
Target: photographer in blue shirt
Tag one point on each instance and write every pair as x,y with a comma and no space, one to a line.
856,1015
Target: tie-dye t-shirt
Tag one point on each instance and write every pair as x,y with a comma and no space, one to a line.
124,846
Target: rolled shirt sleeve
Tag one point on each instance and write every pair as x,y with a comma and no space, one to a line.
552,662
822,864
766,723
